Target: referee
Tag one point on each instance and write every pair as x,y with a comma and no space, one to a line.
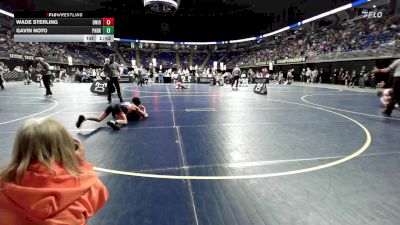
111,71
395,66
236,75
43,68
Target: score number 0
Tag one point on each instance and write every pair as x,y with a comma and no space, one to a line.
108,21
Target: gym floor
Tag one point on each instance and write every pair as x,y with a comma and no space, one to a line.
216,156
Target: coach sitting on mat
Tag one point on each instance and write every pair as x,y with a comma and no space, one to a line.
111,70
122,111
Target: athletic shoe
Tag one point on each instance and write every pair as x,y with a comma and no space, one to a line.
112,124
386,113
80,121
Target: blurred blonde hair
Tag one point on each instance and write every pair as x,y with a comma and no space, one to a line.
45,141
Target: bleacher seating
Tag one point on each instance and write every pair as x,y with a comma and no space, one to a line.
13,76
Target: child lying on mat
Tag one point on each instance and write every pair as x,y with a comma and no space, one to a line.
180,85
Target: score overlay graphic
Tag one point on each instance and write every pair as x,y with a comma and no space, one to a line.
62,27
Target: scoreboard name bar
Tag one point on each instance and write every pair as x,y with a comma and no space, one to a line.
63,30
63,38
64,22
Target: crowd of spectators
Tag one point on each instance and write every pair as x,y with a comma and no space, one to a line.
198,58
184,58
353,35
215,56
83,54
166,59
127,53
145,57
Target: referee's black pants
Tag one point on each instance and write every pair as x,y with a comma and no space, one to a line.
114,81
235,79
1,83
46,82
395,97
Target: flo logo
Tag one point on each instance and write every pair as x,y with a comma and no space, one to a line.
100,87
260,88
371,14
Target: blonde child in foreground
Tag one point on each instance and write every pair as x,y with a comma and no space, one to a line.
48,180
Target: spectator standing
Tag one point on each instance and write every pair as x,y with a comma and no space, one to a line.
308,75
280,78
27,76
314,75
353,79
321,75
346,78
303,76
30,70
362,79
161,76
372,80
334,76
342,77
289,74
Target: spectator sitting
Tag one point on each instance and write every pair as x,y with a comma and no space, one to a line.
85,76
